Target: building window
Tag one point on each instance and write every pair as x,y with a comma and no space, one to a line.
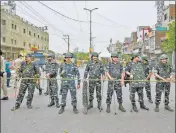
34,34
15,42
24,30
11,41
29,32
12,26
15,27
165,17
3,39
38,36
29,45
3,22
24,44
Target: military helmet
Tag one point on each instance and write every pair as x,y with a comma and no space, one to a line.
94,54
134,55
114,55
68,55
144,57
50,55
29,55
163,56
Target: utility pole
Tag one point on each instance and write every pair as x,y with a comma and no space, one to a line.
68,38
90,10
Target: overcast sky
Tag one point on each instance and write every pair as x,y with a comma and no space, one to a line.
126,16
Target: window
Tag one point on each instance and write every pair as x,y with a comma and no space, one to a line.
11,41
3,39
165,17
24,30
42,38
12,26
45,39
15,42
15,27
29,32
29,45
24,44
38,36
3,22
34,34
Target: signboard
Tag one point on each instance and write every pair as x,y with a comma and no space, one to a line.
90,50
161,28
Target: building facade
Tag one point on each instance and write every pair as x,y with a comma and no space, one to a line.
20,36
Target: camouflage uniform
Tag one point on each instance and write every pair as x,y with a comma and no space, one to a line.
115,70
136,69
47,65
95,69
27,70
69,71
164,71
147,71
52,83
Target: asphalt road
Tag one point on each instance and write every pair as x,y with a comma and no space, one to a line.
42,119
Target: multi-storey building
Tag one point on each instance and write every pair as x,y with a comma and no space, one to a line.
20,36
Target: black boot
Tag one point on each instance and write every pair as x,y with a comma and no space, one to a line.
150,100
46,93
5,98
157,108
29,106
90,105
51,103
121,108
57,102
16,107
99,106
168,108
61,110
134,107
108,109
85,110
40,91
75,110
142,106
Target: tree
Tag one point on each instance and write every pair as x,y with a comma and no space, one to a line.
168,45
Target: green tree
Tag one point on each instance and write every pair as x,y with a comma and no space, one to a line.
168,45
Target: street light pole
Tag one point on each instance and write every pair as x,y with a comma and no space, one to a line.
90,10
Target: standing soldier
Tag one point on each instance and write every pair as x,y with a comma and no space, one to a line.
95,69
114,71
17,65
52,84
164,73
69,71
47,67
148,74
27,70
136,72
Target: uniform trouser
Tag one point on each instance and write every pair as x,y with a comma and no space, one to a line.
53,89
148,89
114,86
92,86
8,78
139,90
26,84
17,78
47,88
68,85
3,86
160,87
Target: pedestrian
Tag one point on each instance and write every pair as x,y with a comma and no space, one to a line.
2,76
136,72
96,72
163,73
8,71
148,74
27,70
17,64
68,71
114,71
52,81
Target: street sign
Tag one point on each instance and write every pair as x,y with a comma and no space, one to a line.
161,28
90,50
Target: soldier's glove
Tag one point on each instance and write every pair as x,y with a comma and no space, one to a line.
62,73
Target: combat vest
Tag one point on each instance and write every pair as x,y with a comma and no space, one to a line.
94,70
115,70
137,70
164,71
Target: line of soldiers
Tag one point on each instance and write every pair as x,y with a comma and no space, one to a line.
96,72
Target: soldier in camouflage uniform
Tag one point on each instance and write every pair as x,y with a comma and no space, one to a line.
52,82
164,73
96,71
47,64
148,73
68,70
27,70
136,72
114,71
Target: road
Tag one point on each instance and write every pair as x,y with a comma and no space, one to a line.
42,119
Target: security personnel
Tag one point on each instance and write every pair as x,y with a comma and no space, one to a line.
52,81
164,73
96,71
136,72
68,71
27,70
114,71
148,74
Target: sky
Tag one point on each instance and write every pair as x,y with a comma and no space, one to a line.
112,19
